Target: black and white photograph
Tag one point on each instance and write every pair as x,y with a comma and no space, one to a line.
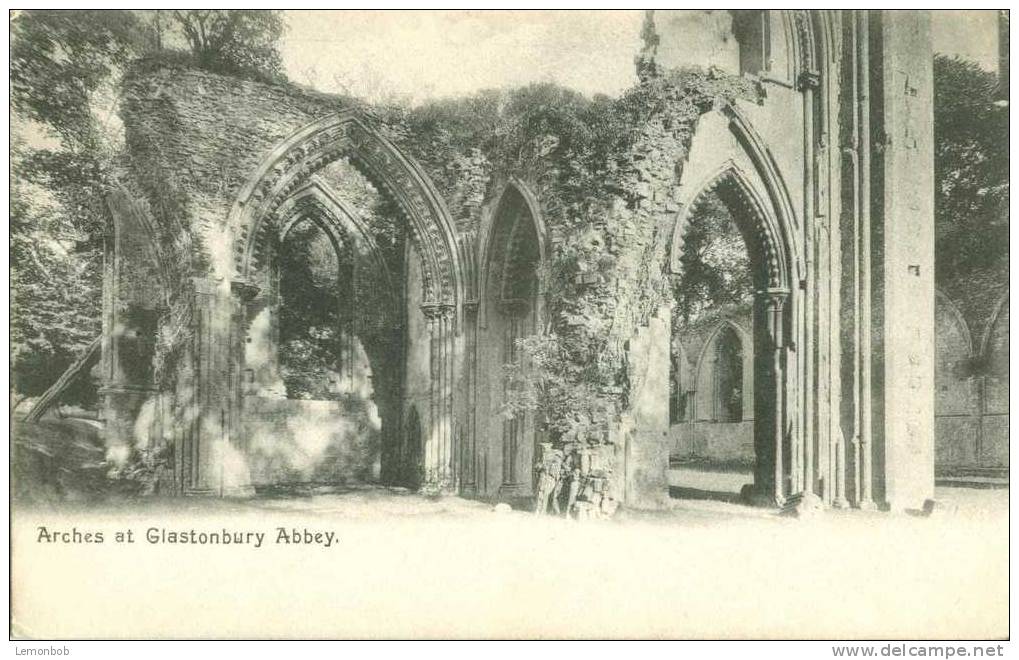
516,324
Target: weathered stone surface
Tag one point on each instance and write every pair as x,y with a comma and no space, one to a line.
214,158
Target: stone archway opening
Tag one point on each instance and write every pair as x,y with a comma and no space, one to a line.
712,431
407,314
323,354
731,293
510,310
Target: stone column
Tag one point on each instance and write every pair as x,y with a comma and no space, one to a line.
865,422
215,466
516,476
901,460
770,392
133,300
439,474
469,450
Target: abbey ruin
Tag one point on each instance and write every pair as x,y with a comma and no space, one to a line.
812,128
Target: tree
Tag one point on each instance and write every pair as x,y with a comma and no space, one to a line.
55,295
234,40
63,68
971,170
64,71
715,263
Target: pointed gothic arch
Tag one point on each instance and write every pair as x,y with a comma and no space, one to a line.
750,177
515,196
295,160
953,310
706,366
285,182
317,202
743,174
512,251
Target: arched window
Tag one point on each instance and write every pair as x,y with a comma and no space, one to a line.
753,33
316,305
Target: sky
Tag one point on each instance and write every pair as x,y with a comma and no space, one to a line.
420,55
417,55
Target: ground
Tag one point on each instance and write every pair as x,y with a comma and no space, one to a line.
408,565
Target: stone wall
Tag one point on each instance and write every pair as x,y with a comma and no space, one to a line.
292,441
194,138
697,434
714,442
971,372
612,180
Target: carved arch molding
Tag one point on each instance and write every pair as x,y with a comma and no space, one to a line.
293,163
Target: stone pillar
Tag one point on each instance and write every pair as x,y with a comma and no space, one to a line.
771,394
215,465
133,300
469,458
643,439
439,474
902,269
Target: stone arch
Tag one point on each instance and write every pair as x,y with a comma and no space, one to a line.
814,43
991,322
728,156
512,244
764,246
131,216
345,134
953,310
513,191
749,176
317,202
705,360
371,280
955,397
138,288
994,349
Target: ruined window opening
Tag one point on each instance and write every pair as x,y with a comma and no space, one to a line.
317,341
752,29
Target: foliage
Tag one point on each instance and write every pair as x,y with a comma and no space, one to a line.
60,61
309,312
239,42
592,163
65,66
971,170
715,264
54,295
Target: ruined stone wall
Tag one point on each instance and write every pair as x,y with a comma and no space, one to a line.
698,435
971,410
604,175
193,138
292,441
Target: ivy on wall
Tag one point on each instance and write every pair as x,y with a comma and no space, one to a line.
604,171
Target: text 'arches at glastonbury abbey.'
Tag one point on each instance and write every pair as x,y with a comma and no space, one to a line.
813,128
